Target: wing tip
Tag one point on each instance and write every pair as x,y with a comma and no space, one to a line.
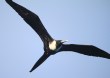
31,70
105,55
108,57
8,1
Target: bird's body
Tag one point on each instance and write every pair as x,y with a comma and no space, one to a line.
52,46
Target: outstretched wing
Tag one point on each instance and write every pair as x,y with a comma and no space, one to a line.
89,50
32,19
40,61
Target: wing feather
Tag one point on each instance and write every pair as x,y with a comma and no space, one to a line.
89,50
32,19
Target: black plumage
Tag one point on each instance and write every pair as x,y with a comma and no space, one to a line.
52,46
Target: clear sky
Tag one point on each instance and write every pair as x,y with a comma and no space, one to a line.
79,21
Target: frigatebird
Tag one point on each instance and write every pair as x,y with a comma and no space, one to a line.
52,46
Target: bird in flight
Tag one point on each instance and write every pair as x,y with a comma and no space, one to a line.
52,46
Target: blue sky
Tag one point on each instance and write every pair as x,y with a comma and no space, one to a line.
79,21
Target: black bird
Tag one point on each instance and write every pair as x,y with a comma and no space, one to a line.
52,46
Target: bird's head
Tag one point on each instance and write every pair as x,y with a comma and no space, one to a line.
60,42
63,41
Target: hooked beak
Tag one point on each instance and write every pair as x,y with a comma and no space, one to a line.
63,41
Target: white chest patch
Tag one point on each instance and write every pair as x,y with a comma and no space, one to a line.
52,45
